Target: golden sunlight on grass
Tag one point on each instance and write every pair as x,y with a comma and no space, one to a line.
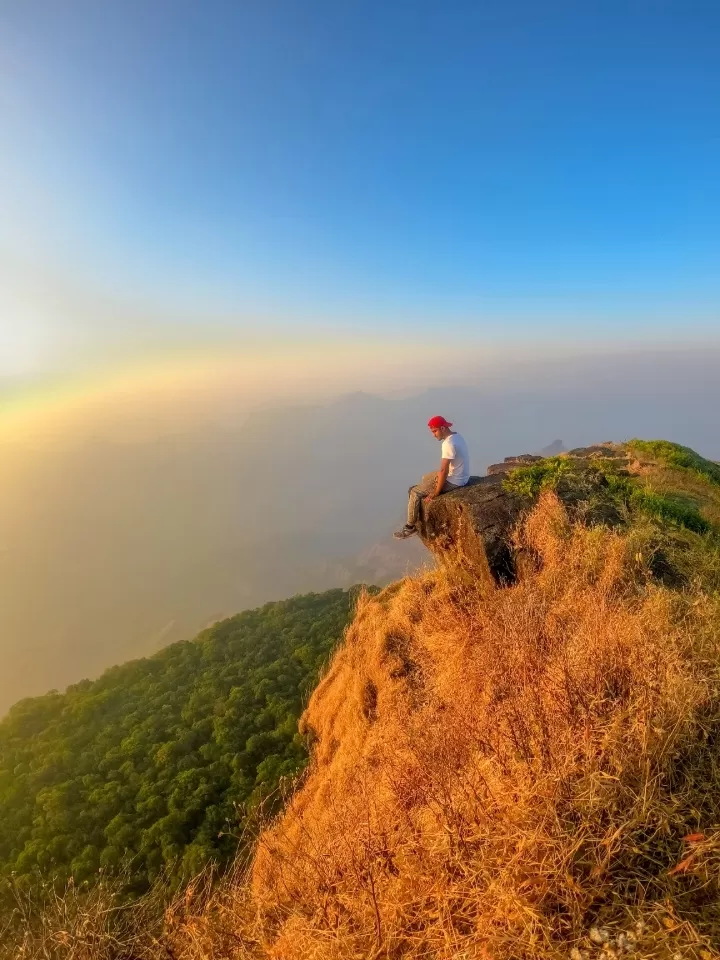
530,773
500,776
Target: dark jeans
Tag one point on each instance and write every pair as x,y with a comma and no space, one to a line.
419,492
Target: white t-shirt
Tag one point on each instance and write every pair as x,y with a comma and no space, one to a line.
455,450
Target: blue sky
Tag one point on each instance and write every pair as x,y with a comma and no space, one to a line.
505,170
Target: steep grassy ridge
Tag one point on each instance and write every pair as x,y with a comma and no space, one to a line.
493,776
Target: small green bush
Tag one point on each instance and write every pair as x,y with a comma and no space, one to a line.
627,492
543,475
674,455
669,510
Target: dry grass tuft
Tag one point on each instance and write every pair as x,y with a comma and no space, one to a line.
81,924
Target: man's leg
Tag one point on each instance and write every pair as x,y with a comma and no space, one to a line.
415,499
415,495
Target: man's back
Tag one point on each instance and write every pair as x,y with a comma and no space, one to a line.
455,450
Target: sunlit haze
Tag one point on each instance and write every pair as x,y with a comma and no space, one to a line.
247,248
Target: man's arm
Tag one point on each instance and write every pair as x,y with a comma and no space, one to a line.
441,478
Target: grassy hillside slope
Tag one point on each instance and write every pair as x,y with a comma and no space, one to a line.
526,772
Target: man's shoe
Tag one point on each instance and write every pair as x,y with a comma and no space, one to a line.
405,533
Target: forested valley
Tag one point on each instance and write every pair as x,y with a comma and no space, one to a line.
154,769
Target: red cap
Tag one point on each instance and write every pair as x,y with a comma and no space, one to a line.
435,422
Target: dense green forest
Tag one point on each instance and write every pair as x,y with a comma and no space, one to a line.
160,760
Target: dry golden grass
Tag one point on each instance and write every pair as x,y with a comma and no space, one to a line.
491,772
498,774
84,924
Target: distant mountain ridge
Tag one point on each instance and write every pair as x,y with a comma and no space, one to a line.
552,449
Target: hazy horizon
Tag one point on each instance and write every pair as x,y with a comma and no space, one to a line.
247,249
112,545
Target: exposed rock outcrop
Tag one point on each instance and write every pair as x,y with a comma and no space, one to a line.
471,527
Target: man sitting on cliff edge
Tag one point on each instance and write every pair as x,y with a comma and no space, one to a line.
454,472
